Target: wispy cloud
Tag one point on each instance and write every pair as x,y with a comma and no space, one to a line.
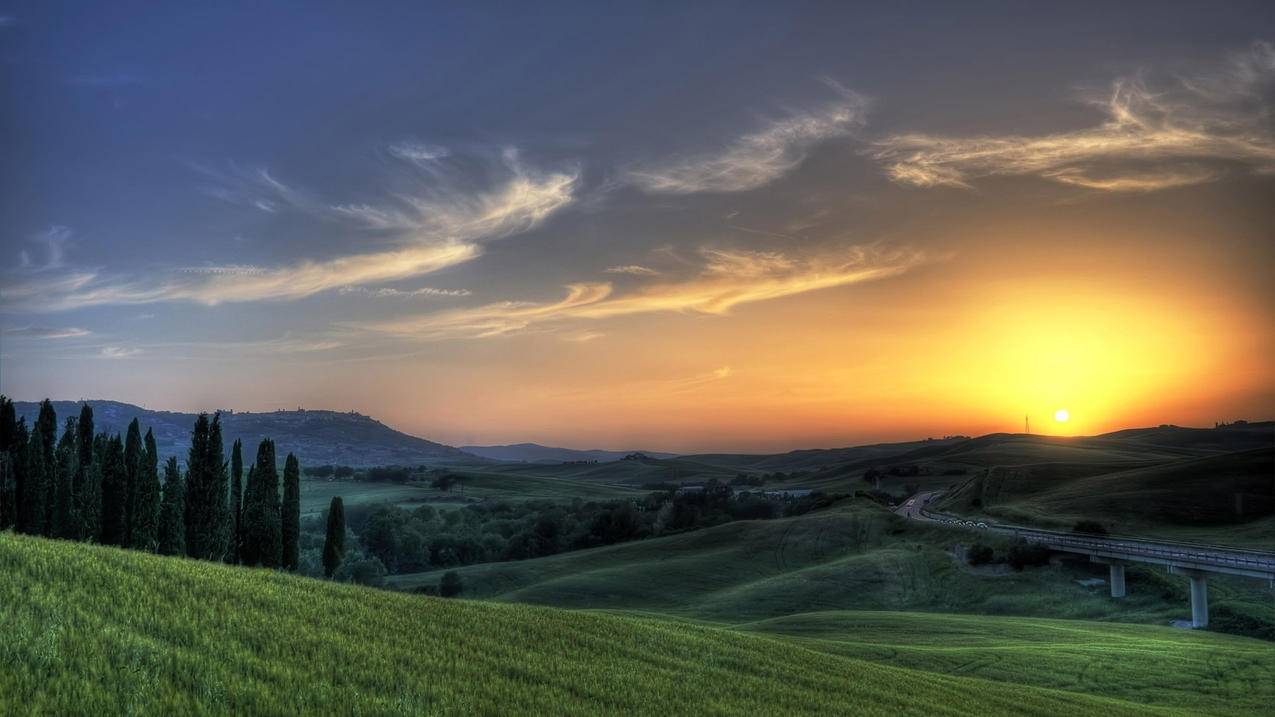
44,332
118,352
756,159
1154,136
438,228
633,269
54,241
384,293
728,278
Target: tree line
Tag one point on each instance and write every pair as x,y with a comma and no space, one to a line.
101,488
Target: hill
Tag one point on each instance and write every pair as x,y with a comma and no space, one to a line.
536,453
1218,497
93,630
316,437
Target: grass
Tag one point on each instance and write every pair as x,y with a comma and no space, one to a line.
477,485
1207,673
856,556
1192,499
102,631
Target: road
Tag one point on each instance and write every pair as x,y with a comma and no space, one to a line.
1211,558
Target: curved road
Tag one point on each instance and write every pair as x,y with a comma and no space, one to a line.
1212,558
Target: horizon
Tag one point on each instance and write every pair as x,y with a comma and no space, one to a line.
661,449
789,227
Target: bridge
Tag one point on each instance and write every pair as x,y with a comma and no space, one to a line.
1190,560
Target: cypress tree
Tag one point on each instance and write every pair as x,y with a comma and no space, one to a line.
89,496
262,522
8,432
63,523
34,515
114,492
48,424
334,543
207,514
291,528
132,477
19,449
145,528
83,508
172,511
236,497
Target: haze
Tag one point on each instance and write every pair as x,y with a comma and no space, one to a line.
725,228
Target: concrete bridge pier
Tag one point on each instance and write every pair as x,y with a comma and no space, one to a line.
1116,568
1199,595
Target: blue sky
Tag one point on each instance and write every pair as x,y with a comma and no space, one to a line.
493,221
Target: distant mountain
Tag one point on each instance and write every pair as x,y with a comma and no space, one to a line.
536,453
316,437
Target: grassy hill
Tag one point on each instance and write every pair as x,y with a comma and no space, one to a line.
855,556
1210,674
536,453
93,630
1224,497
475,485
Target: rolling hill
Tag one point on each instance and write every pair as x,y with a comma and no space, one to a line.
536,453
94,630
316,437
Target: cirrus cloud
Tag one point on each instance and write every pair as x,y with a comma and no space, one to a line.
728,278
1153,137
759,158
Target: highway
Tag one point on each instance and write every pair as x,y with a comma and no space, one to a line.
1191,560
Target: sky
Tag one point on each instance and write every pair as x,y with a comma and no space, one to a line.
707,227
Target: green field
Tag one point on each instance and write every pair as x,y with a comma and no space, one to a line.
1223,499
102,631
476,485
855,556
1204,672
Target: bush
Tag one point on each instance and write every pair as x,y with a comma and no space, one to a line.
980,554
1023,554
1089,527
451,584
361,570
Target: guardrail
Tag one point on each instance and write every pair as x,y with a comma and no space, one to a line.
1187,552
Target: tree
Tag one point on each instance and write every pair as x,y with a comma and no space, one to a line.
291,513
114,492
146,498
8,468
262,522
236,497
85,498
33,513
451,584
334,543
132,477
207,513
47,422
63,524
172,511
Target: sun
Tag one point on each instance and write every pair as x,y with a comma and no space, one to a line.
1061,415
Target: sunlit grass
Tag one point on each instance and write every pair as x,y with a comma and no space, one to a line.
92,630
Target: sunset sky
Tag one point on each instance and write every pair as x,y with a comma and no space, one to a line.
712,227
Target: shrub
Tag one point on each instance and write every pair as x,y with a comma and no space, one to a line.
1089,527
1023,554
980,554
451,584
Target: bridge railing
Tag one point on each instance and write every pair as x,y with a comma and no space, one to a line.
1168,551
1192,552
